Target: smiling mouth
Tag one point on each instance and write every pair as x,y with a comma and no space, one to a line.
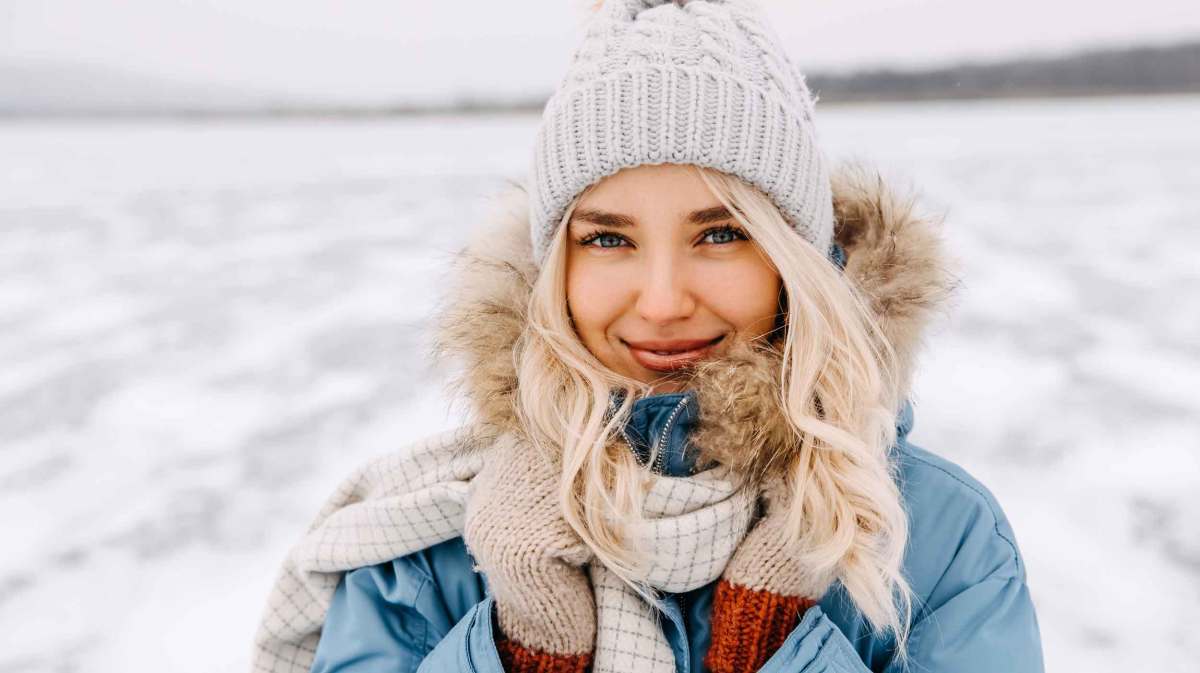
670,356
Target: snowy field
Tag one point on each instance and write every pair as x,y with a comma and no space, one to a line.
205,325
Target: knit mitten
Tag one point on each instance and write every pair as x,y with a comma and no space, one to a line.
762,594
533,561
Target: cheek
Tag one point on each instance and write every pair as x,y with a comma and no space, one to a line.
746,296
594,303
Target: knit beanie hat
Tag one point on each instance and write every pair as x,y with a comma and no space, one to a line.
701,82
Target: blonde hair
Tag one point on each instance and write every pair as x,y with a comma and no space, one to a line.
839,390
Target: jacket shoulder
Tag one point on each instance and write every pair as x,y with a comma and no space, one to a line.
958,532
393,615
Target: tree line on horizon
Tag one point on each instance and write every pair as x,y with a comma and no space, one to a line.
1173,68
1140,70
1137,70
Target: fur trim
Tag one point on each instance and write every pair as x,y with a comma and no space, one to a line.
741,388
483,314
894,258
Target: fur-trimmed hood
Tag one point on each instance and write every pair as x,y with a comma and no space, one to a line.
894,256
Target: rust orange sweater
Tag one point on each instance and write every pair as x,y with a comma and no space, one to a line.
519,659
749,625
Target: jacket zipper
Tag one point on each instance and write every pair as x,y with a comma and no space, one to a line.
625,434
662,437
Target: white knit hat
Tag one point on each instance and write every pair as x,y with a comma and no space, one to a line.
701,82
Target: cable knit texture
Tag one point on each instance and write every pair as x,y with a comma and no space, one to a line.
703,82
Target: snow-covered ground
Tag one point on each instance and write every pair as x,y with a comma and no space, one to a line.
205,325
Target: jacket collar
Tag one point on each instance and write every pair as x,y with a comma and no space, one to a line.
891,253
664,422
668,419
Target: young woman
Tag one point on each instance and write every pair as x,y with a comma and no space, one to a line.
688,348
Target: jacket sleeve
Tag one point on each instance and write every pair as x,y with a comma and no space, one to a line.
392,618
972,608
989,626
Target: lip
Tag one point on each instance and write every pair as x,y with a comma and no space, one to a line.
683,352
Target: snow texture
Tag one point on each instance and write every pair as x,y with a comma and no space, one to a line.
204,325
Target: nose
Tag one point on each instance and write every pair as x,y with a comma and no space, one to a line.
665,295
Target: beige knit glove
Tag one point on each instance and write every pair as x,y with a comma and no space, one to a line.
532,558
764,561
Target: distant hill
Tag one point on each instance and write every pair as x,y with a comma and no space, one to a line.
55,89
1139,70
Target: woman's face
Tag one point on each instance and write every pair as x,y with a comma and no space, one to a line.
660,275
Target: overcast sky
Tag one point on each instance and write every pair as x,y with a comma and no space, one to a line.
375,51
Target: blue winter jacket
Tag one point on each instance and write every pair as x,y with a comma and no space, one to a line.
430,612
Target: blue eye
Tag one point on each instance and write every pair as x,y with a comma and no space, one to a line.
725,234
605,240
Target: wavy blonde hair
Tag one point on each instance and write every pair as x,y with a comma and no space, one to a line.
839,389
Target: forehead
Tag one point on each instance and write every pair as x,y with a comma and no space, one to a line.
652,191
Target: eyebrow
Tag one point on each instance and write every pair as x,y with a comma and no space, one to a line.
618,221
